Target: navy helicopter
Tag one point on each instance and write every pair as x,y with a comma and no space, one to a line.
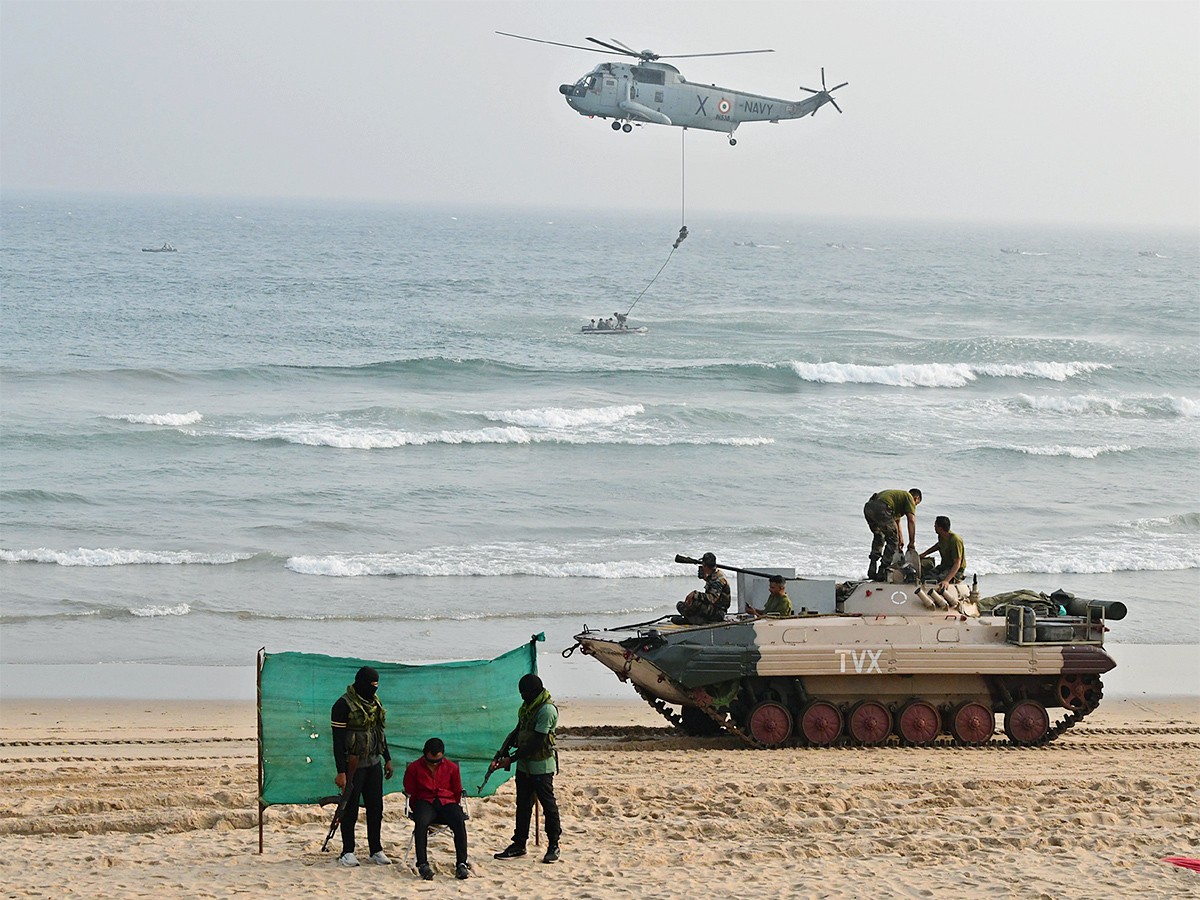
656,92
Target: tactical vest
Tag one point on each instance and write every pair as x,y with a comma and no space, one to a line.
364,725
526,731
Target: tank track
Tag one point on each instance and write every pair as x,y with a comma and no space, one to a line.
1069,720
727,724
665,711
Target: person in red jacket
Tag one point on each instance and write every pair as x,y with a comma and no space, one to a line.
434,787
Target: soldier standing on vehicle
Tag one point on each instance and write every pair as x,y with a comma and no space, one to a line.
710,604
357,723
883,513
536,756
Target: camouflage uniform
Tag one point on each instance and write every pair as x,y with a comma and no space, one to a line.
881,512
709,605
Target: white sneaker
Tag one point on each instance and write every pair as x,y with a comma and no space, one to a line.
349,860
379,858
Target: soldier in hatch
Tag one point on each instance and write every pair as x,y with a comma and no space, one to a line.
710,604
883,513
778,603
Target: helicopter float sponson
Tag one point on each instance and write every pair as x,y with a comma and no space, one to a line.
650,91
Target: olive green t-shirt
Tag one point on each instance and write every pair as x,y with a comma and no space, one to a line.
545,722
950,548
901,502
778,606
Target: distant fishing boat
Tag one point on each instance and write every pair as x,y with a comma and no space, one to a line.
165,248
618,324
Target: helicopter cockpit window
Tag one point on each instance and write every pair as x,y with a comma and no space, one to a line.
648,76
593,83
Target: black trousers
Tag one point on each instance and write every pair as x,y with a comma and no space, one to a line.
542,787
426,813
370,788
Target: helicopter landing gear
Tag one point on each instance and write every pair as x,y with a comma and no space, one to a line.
627,128
616,126
732,141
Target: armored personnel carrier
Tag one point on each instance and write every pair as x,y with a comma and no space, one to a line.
892,661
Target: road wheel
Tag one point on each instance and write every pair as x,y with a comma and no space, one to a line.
770,723
821,723
869,722
919,723
1027,722
972,723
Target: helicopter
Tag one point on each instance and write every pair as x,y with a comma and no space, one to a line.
650,91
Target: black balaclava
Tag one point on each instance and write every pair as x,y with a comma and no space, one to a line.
529,686
364,682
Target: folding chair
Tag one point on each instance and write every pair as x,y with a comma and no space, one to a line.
434,829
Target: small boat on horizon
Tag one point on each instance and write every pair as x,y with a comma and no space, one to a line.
617,324
165,248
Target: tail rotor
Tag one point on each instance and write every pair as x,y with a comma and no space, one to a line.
825,95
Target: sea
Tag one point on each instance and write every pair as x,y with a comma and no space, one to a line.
377,431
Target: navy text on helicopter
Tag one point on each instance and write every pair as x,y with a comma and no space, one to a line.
656,92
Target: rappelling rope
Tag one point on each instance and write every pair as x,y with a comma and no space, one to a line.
683,232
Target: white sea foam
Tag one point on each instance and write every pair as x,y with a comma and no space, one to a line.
1074,405
351,438
115,557
1061,450
181,610
555,417
936,374
456,561
1185,407
172,419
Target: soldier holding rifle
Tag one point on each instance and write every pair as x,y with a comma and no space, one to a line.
536,757
361,753
710,604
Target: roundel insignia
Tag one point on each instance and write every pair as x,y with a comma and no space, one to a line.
723,107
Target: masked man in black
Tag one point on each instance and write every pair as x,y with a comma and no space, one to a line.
357,722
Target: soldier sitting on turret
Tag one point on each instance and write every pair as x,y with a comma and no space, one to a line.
778,603
710,604
953,564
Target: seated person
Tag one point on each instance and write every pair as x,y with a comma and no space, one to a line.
434,787
710,604
778,603
953,561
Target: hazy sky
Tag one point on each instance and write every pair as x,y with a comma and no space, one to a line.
1036,112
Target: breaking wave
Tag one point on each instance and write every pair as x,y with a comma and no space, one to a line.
1091,404
173,419
149,611
115,557
473,562
937,374
354,438
554,417
1061,450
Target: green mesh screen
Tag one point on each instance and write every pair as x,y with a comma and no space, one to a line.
472,706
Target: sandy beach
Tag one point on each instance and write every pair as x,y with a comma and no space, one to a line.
133,799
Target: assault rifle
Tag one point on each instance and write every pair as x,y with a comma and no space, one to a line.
495,764
353,783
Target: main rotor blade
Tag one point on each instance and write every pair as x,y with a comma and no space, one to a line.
623,44
522,37
694,55
614,48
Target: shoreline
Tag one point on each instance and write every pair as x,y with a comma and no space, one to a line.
1143,670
